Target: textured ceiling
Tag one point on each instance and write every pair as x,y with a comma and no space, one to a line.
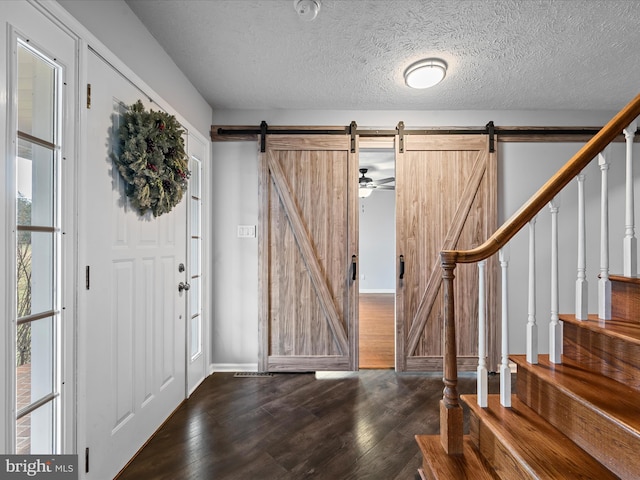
502,54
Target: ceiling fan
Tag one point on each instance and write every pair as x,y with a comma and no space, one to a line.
367,184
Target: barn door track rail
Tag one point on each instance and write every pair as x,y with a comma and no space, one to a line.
503,134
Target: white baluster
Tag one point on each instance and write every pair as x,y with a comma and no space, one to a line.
630,244
555,328
483,388
582,285
532,327
604,284
505,371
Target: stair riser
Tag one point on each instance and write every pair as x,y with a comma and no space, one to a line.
608,356
625,301
614,446
437,465
494,453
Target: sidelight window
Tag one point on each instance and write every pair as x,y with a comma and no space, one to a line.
195,304
37,253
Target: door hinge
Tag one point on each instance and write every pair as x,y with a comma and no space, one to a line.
86,460
88,95
87,272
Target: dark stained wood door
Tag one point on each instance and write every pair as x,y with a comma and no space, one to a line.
445,199
307,249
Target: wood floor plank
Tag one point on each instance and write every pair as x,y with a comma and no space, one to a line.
290,426
376,318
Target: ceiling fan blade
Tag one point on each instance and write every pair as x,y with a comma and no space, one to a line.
385,180
386,187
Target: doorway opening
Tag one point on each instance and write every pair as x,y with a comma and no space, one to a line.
377,284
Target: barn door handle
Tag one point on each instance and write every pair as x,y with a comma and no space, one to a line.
354,268
401,267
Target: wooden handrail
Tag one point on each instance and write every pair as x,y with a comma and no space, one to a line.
550,189
451,420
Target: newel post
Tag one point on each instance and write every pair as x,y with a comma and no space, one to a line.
451,432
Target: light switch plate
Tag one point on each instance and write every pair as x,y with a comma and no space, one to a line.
246,231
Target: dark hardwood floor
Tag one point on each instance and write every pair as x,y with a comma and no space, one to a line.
293,426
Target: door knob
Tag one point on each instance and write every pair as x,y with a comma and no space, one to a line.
183,286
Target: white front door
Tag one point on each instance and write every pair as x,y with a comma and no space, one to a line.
132,315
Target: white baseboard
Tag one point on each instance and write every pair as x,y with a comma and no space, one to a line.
233,367
377,290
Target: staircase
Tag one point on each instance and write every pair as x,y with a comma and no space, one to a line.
575,420
572,414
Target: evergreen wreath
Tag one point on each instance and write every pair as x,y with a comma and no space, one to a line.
152,160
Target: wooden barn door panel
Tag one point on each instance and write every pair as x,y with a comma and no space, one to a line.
446,199
308,310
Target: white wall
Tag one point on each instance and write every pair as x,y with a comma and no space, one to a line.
235,260
119,29
522,169
377,263
516,184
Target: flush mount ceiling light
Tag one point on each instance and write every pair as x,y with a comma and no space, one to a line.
425,73
307,9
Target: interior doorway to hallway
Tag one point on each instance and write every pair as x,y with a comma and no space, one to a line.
376,316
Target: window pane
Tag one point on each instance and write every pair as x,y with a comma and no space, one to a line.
34,265
194,180
23,435
195,217
34,432
36,95
195,256
23,369
35,173
196,336
35,361
195,296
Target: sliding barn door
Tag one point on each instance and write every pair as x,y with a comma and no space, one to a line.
446,199
308,254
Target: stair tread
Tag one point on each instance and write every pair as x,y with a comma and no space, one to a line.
469,465
616,327
623,279
541,448
614,400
